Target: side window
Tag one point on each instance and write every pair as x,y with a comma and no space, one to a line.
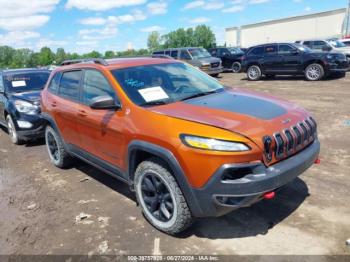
158,53
270,49
185,55
95,84
257,51
69,85
319,45
2,89
285,49
307,43
174,54
167,52
55,82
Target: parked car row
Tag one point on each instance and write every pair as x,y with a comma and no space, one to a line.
292,59
184,143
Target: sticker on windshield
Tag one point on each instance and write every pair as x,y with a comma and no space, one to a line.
153,94
19,83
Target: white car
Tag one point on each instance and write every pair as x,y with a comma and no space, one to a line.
345,41
328,46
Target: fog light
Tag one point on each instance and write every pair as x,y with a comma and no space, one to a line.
24,124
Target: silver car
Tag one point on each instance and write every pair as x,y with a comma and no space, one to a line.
196,56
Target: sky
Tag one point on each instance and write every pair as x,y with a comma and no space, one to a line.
85,25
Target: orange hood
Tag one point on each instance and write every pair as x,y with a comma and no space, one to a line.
251,114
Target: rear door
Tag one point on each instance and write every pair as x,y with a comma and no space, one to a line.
272,60
291,58
101,131
65,106
224,54
2,100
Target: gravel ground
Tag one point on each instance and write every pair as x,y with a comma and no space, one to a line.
45,210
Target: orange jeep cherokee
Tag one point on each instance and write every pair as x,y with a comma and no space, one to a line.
187,145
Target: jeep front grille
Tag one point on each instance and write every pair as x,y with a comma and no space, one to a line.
295,138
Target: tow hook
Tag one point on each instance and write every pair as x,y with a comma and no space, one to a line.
269,195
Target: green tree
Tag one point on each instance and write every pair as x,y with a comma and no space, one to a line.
6,54
204,37
93,54
109,54
45,57
60,56
153,41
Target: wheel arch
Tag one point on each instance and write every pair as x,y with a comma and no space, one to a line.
314,61
139,151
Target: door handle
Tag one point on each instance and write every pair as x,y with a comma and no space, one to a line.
54,104
82,113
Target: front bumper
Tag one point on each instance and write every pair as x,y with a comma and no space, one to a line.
221,196
36,130
338,66
213,71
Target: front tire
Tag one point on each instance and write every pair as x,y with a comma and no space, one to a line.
15,139
236,67
55,147
160,197
254,73
215,75
314,72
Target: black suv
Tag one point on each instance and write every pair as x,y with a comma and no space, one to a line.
231,57
292,59
20,103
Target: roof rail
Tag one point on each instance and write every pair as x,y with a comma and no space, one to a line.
100,61
161,56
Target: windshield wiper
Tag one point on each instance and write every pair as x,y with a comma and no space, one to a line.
199,95
153,103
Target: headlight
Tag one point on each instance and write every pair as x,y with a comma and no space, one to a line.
331,56
26,107
213,144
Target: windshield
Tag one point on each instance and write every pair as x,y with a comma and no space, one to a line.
199,53
302,48
164,83
23,82
337,44
235,51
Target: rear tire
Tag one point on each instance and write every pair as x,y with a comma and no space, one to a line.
55,147
254,73
215,75
160,197
236,67
15,139
314,72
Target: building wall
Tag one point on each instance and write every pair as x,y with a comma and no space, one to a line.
314,26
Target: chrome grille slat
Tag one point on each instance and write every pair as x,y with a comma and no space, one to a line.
293,139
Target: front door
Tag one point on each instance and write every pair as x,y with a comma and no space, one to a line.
101,131
291,58
271,59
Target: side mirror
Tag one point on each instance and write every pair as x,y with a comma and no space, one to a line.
295,52
104,103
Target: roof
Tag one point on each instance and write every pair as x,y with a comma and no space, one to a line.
23,70
293,18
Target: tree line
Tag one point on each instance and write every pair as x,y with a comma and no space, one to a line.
19,58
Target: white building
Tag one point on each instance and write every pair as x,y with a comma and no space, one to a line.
323,25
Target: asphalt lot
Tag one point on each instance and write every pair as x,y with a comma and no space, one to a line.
39,203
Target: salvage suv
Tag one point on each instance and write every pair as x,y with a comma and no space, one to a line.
20,103
188,146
